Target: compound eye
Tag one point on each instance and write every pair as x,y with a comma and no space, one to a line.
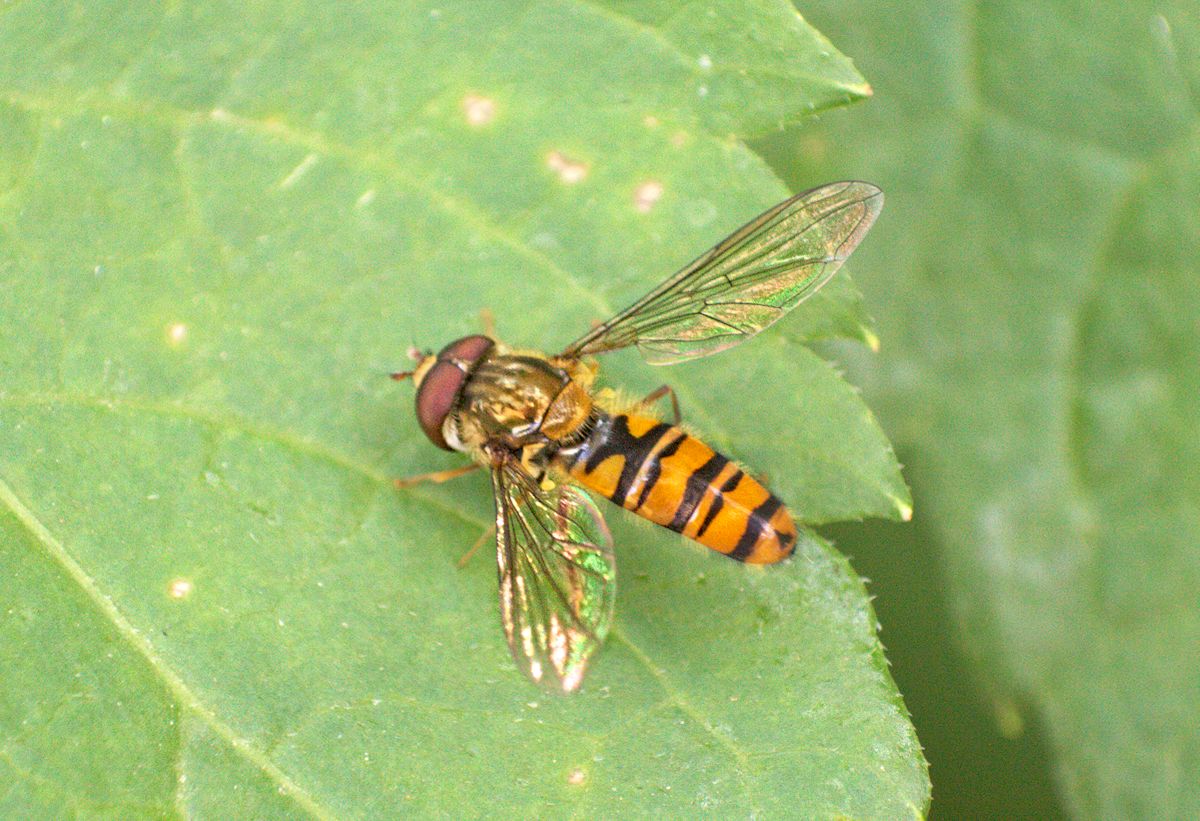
436,397
440,388
467,350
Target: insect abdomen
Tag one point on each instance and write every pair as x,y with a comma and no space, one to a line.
664,474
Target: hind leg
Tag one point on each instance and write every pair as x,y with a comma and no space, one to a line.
658,393
466,557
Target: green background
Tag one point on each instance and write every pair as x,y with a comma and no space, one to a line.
1036,296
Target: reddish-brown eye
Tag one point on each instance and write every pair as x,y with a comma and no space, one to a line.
440,388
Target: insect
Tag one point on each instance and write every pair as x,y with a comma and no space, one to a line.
550,439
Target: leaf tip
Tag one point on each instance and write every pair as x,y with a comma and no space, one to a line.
853,92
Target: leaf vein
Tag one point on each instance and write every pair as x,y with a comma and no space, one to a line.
59,553
741,757
246,427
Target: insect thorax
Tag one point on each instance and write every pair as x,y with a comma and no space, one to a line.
518,400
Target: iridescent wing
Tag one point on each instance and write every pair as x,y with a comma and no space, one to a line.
747,281
558,578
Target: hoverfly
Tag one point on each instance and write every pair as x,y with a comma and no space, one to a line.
548,437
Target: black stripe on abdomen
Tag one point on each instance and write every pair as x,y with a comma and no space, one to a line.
654,473
718,502
617,440
755,524
697,483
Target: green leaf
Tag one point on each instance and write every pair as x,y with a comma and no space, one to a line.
220,228
1035,276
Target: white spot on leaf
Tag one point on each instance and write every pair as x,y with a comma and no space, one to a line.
179,588
176,333
478,110
568,170
646,195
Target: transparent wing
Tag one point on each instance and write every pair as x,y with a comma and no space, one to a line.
747,281
558,578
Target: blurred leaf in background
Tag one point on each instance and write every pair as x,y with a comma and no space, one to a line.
221,226
1036,290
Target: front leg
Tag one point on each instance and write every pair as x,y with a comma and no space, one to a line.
437,477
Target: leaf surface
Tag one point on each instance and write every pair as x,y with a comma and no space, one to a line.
220,228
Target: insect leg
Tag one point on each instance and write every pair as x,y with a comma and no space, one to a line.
437,477
466,557
659,393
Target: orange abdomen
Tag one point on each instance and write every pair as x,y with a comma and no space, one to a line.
663,474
